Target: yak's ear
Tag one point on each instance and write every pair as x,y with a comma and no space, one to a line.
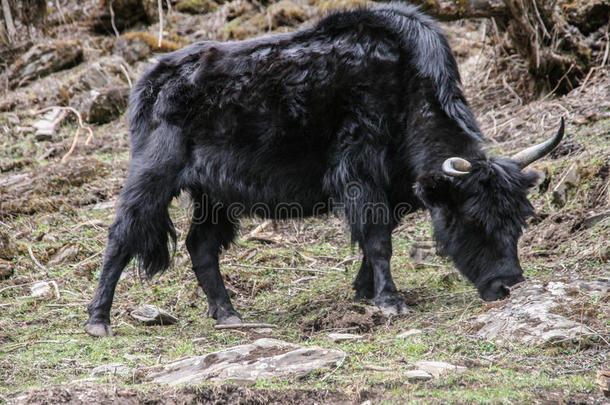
434,189
533,178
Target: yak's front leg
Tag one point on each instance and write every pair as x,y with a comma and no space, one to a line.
204,242
376,245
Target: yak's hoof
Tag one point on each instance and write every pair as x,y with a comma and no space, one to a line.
230,320
363,295
98,329
391,305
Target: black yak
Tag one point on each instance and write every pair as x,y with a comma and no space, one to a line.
362,114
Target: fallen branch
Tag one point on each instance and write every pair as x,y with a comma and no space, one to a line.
80,126
246,326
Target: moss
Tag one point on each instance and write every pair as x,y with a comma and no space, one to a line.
153,41
196,6
326,6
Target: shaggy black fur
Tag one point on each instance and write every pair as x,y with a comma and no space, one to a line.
354,115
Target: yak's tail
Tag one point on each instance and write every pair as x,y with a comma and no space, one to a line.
143,226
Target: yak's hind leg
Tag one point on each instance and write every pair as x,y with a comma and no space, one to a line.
142,228
210,232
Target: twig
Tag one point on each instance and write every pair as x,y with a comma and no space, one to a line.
36,262
605,58
10,26
281,268
116,32
126,75
159,3
80,125
21,345
246,326
335,370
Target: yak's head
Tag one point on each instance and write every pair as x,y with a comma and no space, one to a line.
479,209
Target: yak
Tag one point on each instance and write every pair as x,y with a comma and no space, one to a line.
360,114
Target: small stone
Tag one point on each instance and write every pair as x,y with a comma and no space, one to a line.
438,368
408,333
64,255
40,289
343,337
12,118
151,315
264,331
6,269
418,375
603,381
24,130
111,369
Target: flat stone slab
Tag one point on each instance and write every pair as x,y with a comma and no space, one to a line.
343,337
408,333
418,375
111,369
438,368
529,316
264,358
151,315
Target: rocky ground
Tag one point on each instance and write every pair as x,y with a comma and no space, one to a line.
63,160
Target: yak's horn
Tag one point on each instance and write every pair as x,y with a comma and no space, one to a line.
533,153
456,167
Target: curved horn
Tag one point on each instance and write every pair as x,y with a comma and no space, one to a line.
533,153
456,167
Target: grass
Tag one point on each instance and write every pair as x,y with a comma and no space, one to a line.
42,341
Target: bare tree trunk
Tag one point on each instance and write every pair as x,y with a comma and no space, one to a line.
8,18
450,10
549,34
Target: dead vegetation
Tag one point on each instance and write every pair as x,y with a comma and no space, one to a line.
295,274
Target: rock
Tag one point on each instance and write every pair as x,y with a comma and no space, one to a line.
528,316
12,118
111,369
7,248
408,333
286,13
6,269
569,181
40,289
43,59
603,381
343,337
263,359
102,105
64,255
196,6
103,73
135,46
418,375
438,368
152,315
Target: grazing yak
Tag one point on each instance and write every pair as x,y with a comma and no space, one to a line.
361,115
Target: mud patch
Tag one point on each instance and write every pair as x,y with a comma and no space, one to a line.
343,317
218,395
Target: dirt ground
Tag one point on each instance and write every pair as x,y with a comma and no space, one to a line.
55,211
